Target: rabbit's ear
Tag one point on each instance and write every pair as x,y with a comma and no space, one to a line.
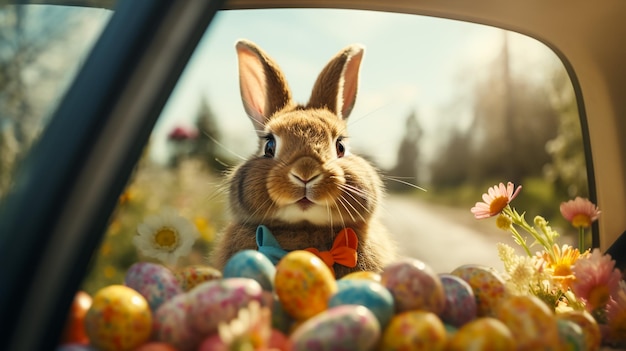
263,87
336,87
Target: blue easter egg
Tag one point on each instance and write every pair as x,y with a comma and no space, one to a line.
366,293
251,264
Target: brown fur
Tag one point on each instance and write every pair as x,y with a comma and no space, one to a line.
347,188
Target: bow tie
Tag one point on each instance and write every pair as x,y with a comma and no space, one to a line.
342,252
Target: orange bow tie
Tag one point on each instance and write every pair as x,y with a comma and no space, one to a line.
343,251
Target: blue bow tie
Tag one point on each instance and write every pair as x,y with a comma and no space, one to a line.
268,245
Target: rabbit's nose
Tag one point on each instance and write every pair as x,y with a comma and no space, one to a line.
305,171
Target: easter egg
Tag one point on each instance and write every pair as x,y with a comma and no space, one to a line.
304,284
74,347
532,323
190,276
460,306
363,275
414,285
74,330
482,334
171,325
156,346
588,325
153,281
251,264
281,320
219,301
346,327
367,293
487,284
414,331
119,319
571,335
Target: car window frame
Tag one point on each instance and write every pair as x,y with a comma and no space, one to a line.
68,186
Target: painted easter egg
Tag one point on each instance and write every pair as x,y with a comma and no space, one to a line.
156,346
414,285
366,293
281,320
190,276
153,281
219,301
414,331
487,284
460,306
304,284
363,275
171,325
74,330
119,319
346,327
74,347
571,335
482,334
588,325
251,264
532,323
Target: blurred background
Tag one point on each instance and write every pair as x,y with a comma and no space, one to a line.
451,107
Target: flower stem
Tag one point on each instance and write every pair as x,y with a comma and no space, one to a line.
581,239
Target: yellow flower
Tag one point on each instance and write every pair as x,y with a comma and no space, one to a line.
559,264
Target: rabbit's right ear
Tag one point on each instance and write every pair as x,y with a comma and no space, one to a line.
263,87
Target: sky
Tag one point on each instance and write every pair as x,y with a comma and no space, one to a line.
412,64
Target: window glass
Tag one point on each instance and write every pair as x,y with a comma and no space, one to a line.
41,49
445,109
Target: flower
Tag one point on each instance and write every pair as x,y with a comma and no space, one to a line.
251,329
166,237
616,317
521,271
495,200
596,279
580,212
560,263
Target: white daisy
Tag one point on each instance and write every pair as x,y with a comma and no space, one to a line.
166,236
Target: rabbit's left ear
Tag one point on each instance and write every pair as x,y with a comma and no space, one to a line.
337,84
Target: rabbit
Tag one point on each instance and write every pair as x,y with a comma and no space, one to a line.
303,186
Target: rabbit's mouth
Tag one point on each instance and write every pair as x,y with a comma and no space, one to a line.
304,203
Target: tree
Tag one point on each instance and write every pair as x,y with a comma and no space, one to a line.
207,146
407,160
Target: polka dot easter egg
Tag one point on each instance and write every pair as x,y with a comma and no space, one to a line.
483,334
171,324
153,281
347,327
487,284
119,319
304,284
190,276
460,306
414,285
415,331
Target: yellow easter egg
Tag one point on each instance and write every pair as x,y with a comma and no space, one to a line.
303,284
588,324
363,275
414,330
482,334
119,319
532,323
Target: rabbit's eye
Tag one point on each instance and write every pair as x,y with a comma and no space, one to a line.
341,149
270,146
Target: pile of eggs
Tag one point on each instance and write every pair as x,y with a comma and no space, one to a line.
405,307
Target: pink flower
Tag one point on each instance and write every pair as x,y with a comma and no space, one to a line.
580,212
182,133
616,317
495,200
596,280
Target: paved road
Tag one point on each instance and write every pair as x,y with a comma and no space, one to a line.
443,237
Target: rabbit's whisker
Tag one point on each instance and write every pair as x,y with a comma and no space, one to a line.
343,223
359,203
396,179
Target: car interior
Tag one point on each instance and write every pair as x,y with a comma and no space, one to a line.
133,106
